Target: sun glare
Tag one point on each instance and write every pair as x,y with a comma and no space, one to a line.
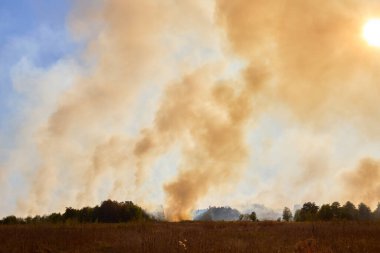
371,32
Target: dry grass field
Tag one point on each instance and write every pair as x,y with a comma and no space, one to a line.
276,237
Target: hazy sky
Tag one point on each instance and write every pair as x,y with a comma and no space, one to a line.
187,104
32,32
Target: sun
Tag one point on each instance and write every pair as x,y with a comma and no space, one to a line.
371,32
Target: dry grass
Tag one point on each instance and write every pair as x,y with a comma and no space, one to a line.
193,237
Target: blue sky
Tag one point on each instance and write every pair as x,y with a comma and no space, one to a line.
32,33
32,30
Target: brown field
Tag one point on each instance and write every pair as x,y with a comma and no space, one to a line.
262,237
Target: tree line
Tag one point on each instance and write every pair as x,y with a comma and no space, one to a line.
108,212
116,212
327,212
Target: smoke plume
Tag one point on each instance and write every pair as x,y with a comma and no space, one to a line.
320,68
305,56
323,69
363,183
214,121
130,46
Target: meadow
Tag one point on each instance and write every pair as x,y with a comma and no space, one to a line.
274,237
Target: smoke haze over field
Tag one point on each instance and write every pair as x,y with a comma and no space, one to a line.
198,103
364,182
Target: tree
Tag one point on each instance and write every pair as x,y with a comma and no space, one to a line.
36,219
253,216
109,212
376,212
244,217
287,214
325,213
205,216
10,220
28,220
308,212
336,210
86,215
349,211
297,215
364,212
70,214
113,211
54,218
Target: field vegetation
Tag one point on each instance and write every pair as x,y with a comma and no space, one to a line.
265,236
114,227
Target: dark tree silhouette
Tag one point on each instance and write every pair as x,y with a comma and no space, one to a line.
112,212
308,212
213,213
336,210
297,215
11,220
376,213
70,214
108,212
349,211
364,212
325,213
253,216
287,214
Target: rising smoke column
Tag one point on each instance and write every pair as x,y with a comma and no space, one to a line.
208,119
129,49
306,56
97,103
363,183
